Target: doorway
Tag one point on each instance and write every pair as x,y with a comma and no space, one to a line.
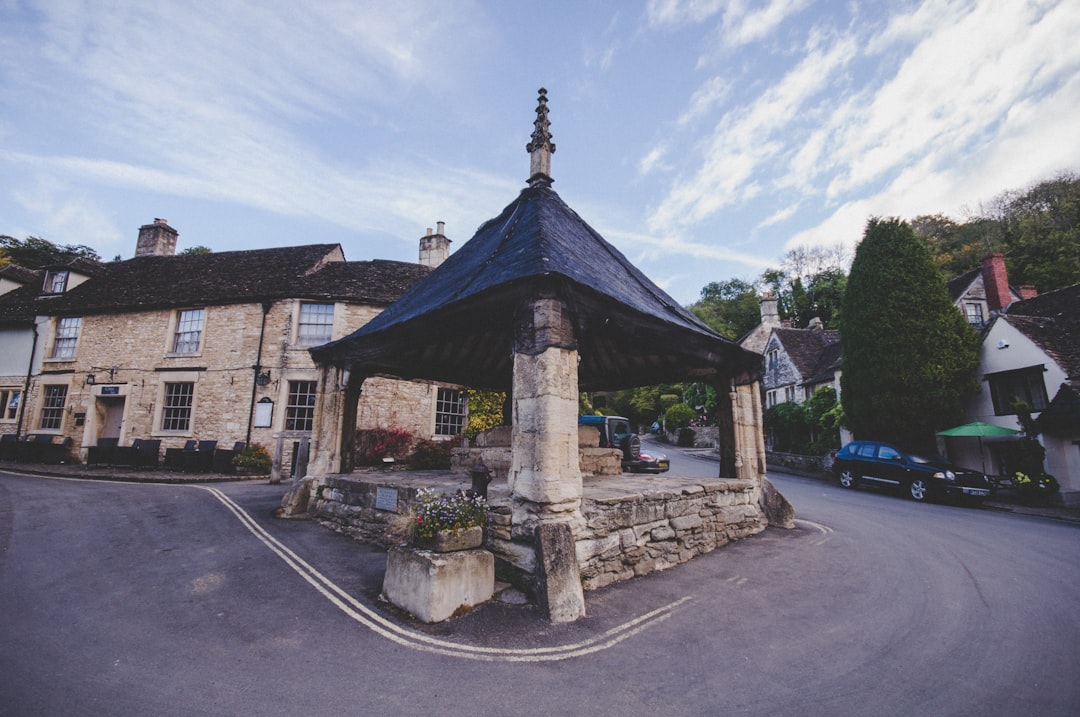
113,419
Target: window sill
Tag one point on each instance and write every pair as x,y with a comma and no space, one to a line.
176,355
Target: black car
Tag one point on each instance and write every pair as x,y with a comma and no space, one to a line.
615,432
883,464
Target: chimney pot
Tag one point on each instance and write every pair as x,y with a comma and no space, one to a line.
441,227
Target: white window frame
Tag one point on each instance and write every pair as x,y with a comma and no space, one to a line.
186,328
315,323
53,402
65,337
300,405
451,412
56,281
182,408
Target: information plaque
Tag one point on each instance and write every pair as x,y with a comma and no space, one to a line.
386,499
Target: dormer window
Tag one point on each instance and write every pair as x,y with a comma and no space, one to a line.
56,282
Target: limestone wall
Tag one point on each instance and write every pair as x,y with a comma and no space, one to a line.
626,531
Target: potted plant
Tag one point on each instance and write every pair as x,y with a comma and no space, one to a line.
445,523
252,460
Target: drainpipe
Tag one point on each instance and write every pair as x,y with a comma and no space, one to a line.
256,370
26,384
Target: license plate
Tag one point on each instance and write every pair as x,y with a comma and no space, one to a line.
662,464
977,491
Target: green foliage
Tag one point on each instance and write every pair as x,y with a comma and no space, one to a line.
34,253
810,428
253,458
434,512
678,416
485,411
728,307
197,250
375,444
786,425
809,284
909,357
646,404
1038,230
430,455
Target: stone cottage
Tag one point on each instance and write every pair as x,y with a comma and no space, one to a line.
211,346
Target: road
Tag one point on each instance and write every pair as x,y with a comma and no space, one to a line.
128,599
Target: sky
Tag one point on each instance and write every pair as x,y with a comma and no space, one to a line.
703,138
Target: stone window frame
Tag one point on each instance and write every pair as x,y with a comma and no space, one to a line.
451,411
320,312
10,401
53,403
181,329
66,330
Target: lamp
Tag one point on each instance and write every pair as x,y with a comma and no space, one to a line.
90,379
263,378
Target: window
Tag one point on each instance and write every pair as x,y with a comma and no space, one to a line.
789,393
67,333
176,410
9,403
449,412
774,359
52,407
300,409
1025,384
770,399
886,453
56,282
316,324
189,327
974,313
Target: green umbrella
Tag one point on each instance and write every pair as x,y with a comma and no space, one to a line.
978,429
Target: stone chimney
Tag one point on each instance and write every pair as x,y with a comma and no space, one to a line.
1027,291
996,282
770,310
816,324
434,248
157,239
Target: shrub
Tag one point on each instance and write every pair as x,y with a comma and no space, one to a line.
678,416
686,437
433,513
253,458
430,455
375,444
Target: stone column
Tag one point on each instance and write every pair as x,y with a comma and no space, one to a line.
327,429
545,476
725,424
750,448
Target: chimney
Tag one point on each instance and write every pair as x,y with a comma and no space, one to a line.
770,311
434,248
1027,291
996,282
816,324
157,239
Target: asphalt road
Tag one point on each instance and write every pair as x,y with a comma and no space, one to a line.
124,599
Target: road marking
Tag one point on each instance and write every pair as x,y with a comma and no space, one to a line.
409,638
418,641
817,526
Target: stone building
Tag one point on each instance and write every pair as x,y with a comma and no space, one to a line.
203,346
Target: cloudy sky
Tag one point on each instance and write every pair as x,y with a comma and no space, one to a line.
703,138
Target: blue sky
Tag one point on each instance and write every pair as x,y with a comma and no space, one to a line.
703,138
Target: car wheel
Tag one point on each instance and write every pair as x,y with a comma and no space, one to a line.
918,490
848,479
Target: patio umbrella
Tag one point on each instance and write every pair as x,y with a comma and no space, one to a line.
978,429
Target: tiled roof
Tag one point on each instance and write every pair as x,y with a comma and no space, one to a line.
811,350
21,274
314,271
1052,322
959,284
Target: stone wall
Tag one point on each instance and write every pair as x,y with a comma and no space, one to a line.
632,525
809,465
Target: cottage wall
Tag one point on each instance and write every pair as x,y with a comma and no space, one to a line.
128,354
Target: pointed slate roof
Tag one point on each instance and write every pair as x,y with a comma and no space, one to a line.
457,324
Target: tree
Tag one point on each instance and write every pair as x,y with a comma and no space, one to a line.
909,357
729,307
34,252
197,250
809,284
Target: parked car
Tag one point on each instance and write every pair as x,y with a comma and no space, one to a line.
615,432
883,464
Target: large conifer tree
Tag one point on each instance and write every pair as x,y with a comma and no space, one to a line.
909,357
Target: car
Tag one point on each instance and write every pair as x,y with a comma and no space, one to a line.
883,464
615,432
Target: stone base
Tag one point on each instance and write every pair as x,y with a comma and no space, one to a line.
437,586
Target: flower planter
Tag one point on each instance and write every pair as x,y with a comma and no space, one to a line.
449,541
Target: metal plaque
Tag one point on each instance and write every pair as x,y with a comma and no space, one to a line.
386,499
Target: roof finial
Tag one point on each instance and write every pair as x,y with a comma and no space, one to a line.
541,147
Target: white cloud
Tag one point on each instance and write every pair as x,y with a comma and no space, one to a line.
748,22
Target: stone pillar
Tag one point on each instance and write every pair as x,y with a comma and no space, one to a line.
545,475
749,434
328,423
725,424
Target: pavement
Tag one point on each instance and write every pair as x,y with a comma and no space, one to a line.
1006,501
